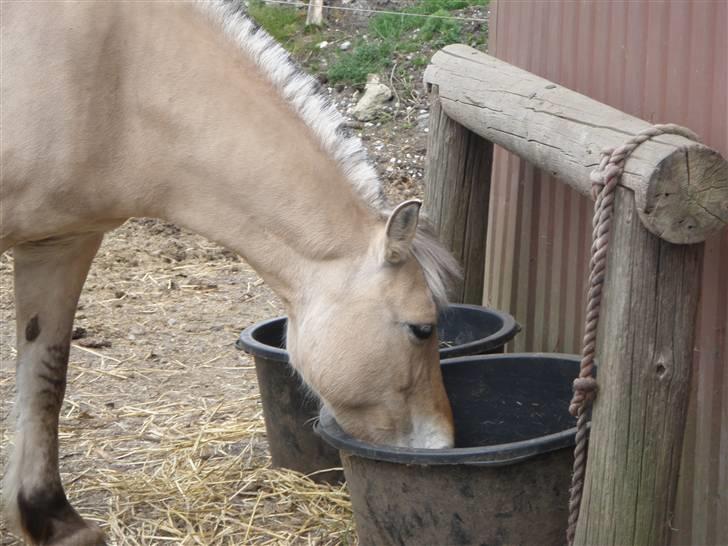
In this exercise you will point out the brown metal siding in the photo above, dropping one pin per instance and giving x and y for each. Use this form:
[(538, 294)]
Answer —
[(663, 62)]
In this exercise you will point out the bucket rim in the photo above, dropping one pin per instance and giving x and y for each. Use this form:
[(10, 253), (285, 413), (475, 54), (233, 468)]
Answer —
[(252, 346), (492, 455), (508, 330)]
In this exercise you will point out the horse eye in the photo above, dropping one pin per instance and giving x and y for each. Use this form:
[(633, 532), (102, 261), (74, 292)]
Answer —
[(421, 331)]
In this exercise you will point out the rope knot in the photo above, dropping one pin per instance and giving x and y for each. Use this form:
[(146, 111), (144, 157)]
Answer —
[(585, 390)]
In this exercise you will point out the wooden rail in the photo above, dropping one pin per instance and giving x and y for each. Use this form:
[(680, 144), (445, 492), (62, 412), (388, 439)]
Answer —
[(678, 188)]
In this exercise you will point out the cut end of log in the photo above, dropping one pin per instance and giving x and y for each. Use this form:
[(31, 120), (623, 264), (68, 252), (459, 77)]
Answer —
[(687, 199)]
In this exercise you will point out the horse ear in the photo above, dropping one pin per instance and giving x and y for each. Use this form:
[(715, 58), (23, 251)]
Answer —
[(400, 231)]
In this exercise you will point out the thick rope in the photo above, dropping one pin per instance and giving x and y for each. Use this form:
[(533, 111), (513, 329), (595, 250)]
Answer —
[(605, 179)]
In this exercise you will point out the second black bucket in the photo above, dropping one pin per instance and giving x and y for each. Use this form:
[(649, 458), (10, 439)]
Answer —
[(506, 481), (289, 409), (474, 330)]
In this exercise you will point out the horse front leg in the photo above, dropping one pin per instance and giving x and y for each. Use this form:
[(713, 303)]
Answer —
[(49, 276)]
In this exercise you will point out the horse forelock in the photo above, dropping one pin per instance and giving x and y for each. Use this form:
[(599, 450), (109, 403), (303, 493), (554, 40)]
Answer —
[(303, 93), (439, 266)]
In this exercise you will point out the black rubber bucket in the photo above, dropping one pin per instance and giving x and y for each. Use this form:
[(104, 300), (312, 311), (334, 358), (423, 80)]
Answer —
[(474, 330), (506, 481), (289, 409)]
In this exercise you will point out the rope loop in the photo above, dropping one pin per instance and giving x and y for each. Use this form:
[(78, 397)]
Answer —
[(612, 160), (604, 179)]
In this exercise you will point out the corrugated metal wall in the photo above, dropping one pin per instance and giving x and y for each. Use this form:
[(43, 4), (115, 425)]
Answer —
[(663, 62)]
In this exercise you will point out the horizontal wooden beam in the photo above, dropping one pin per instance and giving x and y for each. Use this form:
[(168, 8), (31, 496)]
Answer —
[(680, 186)]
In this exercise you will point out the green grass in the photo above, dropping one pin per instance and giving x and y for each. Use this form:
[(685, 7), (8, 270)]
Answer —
[(365, 58), (402, 34), (420, 61), (389, 27), (281, 22), (391, 37), (287, 25)]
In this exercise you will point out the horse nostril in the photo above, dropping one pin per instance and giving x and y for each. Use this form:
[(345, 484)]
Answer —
[(421, 331)]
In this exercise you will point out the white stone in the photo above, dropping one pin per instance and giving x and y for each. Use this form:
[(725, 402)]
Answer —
[(376, 94)]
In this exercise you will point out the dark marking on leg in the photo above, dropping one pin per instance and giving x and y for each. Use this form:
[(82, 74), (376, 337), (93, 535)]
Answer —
[(47, 515), (52, 367), (58, 383), (56, 397), (56, 366), (54, 375), (59, 353), (32, 329)]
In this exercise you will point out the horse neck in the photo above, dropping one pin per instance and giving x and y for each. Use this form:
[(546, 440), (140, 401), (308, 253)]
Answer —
[(242, 168)]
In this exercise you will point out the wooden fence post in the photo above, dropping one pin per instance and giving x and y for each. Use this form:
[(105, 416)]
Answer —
[(315, 15), (457, 193), (645, 354)]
